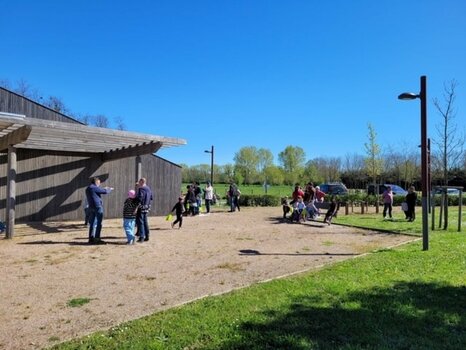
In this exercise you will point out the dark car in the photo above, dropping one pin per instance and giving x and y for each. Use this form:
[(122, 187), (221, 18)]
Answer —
[(397, 190), (334, 188)]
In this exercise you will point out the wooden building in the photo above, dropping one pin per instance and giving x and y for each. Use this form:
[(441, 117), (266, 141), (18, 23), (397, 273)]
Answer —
[(47, 160)]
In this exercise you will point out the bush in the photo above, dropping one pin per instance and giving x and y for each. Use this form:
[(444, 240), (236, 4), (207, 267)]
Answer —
[(251, 200)]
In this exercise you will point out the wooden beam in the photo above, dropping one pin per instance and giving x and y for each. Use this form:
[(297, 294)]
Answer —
[(17, 136), (137, 150), (11, 193)]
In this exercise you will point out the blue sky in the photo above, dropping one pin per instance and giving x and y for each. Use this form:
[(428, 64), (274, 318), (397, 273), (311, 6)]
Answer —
[(243, 73)]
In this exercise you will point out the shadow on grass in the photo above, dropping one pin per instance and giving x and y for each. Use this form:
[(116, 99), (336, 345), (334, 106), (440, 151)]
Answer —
[(406, 316)]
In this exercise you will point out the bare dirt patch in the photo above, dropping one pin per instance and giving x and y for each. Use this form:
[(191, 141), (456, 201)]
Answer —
[(50, 264)]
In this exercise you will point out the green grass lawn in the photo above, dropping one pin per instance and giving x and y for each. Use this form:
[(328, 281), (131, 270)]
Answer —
[(402, 298), (399, 224)]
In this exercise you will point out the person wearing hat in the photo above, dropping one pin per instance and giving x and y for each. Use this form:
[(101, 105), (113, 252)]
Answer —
[(178, 209), (130, 208)]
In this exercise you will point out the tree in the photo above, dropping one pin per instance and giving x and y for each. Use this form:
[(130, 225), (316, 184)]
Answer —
[(450, 141), (373, 161), (100, 121), (57, 104), (119, 122), (274, 175), (265, 160), (247, 163), (292, 159), (312, 173), (354, 171)]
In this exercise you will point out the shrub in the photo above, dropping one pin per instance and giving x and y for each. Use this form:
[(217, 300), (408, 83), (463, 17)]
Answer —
[(252, 200)]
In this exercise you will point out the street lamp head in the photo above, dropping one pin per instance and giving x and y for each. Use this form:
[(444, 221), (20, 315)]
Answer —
[(206, 151), (408, 96)]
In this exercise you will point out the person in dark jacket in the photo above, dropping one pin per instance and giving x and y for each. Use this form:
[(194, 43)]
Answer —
[(96, 209), (411, 198), (178, 209), (144, 196)]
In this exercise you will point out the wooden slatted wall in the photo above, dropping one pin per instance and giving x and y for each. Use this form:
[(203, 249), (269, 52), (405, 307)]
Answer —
[(11, 102), (51, 185)]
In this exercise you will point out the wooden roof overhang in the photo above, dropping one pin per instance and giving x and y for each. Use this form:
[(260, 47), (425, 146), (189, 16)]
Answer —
[(32, 133), (18, 131)]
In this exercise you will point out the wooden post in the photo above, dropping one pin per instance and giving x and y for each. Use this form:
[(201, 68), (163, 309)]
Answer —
[(362, 207), (346, 208), (460, 209), (432, 202), (440, 216), (11, 192), (445, 223)]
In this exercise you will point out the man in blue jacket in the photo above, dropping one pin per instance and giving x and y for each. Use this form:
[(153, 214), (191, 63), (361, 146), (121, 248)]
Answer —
[(96, 210), (144, 195)]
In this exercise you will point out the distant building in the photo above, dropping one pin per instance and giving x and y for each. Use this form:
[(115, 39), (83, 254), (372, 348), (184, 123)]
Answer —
[(47, 159)]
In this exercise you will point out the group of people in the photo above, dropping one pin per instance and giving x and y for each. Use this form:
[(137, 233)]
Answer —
[(408, 206), (303, 207), (135, 210), (194, 196), (191, 202)]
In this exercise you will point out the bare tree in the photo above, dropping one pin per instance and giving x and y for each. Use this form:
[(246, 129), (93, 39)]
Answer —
[(120, 125), (451, 140), (5, 83), (100, 121), (57, 104)]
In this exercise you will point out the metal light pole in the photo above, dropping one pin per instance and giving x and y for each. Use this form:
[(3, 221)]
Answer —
[(211, 164), (422, 96)]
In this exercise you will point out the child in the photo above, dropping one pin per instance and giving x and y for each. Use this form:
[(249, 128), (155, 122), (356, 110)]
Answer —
[(332, 211), (130, 208), (179, 213), (287, 208), (299, 210)]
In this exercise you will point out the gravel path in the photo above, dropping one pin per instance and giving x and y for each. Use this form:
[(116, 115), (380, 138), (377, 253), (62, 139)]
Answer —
[(49, 264)]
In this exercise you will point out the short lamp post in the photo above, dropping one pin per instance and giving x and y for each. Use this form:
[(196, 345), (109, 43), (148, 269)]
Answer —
[(422, 96), (211, 164)]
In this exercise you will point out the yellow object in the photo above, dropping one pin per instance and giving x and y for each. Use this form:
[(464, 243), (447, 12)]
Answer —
[(168, 217)]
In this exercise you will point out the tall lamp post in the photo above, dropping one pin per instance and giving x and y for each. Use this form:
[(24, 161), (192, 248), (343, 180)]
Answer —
[(422, 96), (211, 164)]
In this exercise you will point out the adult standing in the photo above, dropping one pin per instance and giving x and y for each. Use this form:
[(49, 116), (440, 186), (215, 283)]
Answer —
[(387, 197), (411, 198), (208, 196), (96, 209), (233, 195), (144, 196)]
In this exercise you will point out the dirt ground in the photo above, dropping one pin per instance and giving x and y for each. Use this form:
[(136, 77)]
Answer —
[(48, 264)]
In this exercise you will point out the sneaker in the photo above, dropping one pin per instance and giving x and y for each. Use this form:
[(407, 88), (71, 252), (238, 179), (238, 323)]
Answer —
[(141, 240), (146, 239), (99, 241), (173, 224)]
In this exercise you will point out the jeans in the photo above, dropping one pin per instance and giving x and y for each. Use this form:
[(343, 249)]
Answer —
[(143, 226), (128, 226), (96, 215)]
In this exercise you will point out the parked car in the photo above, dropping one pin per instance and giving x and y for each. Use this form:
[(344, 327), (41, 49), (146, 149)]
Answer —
[(397, 190), (334, 188), (450, 191)]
